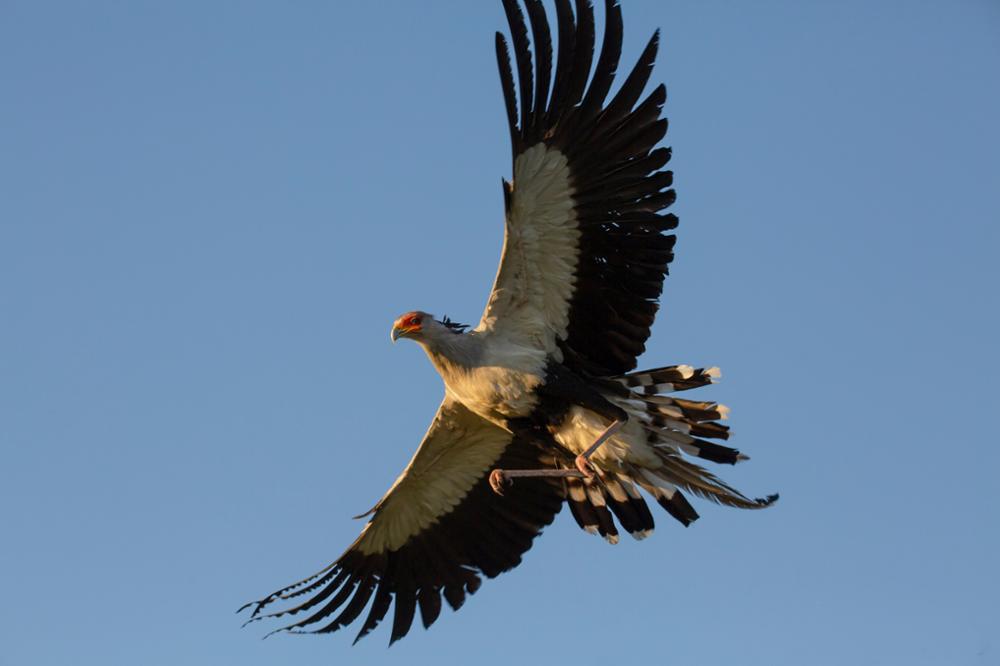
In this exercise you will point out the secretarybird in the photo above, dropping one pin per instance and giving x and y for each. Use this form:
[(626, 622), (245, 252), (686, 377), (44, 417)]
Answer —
[(541, 403)]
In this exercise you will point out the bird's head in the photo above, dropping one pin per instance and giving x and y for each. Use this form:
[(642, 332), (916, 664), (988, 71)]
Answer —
[(411, 325), (423, 327)]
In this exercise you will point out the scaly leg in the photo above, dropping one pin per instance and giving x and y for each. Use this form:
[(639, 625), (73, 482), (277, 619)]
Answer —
[(505, 477), (583, 460), (501, 477)]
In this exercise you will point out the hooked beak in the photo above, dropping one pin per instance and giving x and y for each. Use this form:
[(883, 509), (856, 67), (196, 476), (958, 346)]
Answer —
[(400, 332)]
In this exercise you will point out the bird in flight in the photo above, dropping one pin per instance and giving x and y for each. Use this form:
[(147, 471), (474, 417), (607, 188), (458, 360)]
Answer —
[(542, 404)]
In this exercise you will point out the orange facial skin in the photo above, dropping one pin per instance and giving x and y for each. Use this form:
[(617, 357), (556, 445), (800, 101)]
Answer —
[(408, 324)]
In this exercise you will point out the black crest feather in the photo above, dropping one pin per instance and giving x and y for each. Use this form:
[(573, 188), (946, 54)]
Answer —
[(453, 326)]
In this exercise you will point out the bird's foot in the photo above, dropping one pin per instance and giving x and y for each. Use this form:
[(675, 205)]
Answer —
[(498, 480), (584, 466)]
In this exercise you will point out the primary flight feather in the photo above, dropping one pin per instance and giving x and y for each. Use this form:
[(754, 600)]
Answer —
[(541, 405)]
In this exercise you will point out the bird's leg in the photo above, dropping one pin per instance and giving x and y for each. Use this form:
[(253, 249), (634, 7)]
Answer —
[(504, 477), (583, 460)]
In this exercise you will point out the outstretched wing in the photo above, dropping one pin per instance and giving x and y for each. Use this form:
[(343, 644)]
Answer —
[(584, 251), (437, 529)]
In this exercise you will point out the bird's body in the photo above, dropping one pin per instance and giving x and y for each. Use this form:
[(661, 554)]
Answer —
[(526, 392), (491, 376), (544, 390), (505, 383)]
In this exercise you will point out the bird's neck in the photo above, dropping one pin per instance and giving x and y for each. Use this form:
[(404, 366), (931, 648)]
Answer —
[(453, 355)]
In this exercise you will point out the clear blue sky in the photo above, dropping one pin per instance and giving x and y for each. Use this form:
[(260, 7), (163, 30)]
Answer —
[(210, 213)]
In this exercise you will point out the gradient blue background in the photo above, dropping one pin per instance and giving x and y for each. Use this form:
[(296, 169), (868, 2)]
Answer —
[(210, 213)]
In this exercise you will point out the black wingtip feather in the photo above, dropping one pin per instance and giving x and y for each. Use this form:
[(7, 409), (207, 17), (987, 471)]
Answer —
[(522, 56), (507, 86), (607, 63), (430, 605), (380, 606), (542, 37), (627, 96)]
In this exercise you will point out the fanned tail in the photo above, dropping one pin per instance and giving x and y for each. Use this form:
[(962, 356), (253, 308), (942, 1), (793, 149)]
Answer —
[(675, 423), (673, 429), (675, 426)]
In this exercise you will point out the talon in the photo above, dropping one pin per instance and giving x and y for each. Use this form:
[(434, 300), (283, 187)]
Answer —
[(584, 466), (498, 481)]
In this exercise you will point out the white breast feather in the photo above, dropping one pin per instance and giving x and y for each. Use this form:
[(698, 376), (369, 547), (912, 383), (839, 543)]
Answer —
[(503, 385)]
